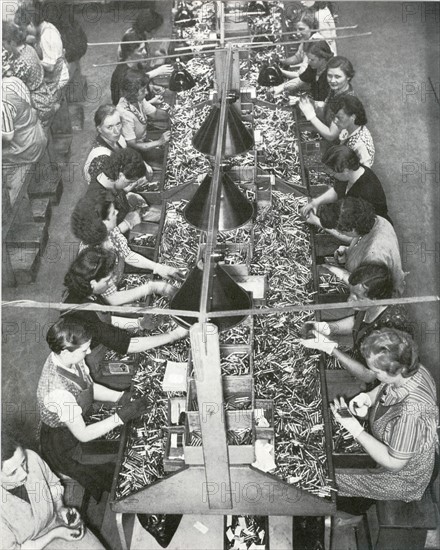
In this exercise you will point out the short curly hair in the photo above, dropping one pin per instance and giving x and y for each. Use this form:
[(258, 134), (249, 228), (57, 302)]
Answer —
[(126, 161), (376, 277), (340, 62), (352, 105), (132, 82), (66, 334), (391, 350), (87, 220), (11, 32), (329, 215), (321, 49), (356, 214), (341, 157), (92, 264)]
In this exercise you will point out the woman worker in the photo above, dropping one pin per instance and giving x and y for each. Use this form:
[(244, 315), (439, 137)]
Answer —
[(352, 180), (403, 419), (314, 78), (88, 277), (65, 394), (33, 515), (322, 114), (373, 239), (135, 112), (371, 281), (94, 221)]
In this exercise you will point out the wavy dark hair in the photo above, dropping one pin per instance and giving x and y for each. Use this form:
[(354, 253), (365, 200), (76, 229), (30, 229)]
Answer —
[(321, 49), (341, 157), (329, 215), (376, 278), (391, 350), (147, 21), (356, 214), (10, 443), (13, 32), (352, 105), (87, 220), (132, 82), (92, 264), (340, 62), (66, 334), (128, 161)]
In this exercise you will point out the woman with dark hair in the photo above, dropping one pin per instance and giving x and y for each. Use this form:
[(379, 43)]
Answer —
[(403, 419), (351, 120), (65, 396), (33, 515), (314, 78), (352, 180), (135, 111), (372, 281), (94, 221), (373, 240), (26, 65), (131, 54), (88, 277), (321, 114)]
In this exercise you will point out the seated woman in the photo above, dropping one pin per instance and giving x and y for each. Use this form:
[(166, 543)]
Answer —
[(351, 119), (89, 276), (65, 395), (114, 176), (322, 114), (131, 54), (352, 180), (403, 419), (135, 112), (314, 78), (26, 65), (372, 281), (94, 222), (373, 239), (325, 21), (29, 521)]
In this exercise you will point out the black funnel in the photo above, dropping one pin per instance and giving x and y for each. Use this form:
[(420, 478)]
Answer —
[(238, 138), (181, 80), (235, 209), (226, 295), (270, 75)]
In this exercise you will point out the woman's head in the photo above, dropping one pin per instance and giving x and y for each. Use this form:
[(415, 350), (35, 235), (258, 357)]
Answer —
[(12, 35), (356, 215), (93, 217), (132, 51), (305, 24), (318, 54), (329, 215), (69, 340), (349, 110), (14, 461), (91, 272), (108, 122), (134, 85), (29, 17), (390, 352), (339, 73), (341, 160), (147, 21), (373, 281), (124, 167)]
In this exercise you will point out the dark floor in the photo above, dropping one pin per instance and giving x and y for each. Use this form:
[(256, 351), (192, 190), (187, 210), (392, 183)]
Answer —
[(394, 68)]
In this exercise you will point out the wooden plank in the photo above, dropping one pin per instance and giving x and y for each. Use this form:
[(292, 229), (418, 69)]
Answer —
[(205, 349)]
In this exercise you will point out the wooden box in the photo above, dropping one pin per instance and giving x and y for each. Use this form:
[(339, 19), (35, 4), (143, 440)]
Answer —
[(266, 432), (234, 387), (149, 231), (173, 455)]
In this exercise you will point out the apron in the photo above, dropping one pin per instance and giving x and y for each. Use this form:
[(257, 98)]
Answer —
[(61, 450)]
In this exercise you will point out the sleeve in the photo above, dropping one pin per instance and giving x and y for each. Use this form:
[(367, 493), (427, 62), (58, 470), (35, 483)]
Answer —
[(148, 109), (63, 404), (339, 187), (128, 128), (110, 290), (95, 167), (308, 75), (53, 481), (362, 152), (8, 114), (406, 437), (51, 46), (111, 337), (120, 242), (9, 541)]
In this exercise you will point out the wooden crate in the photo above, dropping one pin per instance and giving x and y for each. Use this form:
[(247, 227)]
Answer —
[(173, 459), (233, 387), (144, 229)]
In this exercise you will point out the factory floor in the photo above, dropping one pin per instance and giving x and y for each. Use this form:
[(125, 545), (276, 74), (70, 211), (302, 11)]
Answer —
[(394, 69)]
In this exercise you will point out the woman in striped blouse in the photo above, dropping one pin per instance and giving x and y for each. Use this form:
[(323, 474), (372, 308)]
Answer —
[(403, 418)]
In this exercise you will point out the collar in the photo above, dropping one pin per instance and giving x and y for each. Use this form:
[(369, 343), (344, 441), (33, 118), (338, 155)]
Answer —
[(58, 363), (106, 182), (355, 131), (392, 395)]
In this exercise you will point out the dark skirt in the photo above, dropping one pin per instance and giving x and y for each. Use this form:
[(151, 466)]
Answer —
[(59, 447)]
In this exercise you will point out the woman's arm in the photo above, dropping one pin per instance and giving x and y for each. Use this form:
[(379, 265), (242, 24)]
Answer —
[(379, 452), (330, 133), (354, 367), (88, 433), (101, 393), (342, 327), (144, 343), (137, 260), (127, 296), (145, 145)]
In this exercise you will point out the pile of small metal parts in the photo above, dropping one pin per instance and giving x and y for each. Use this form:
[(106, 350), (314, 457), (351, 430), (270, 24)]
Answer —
[(101, 413), (246, 532), (235, 364)]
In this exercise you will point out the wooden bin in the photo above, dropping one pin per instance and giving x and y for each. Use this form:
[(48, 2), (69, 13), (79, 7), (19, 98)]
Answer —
[(145, 229), (173, 458), (233, 386), (266, 432), (230, 249)]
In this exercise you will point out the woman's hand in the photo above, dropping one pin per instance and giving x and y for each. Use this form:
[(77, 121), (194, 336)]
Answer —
[(278, 90), (319, 326), (348, 422), (133, 218), (168, 272), (319, 342), (312, 219), (179, 333), (310, 207), (360, 404), (162, 70), (339, 272), (164, 138), (69, 516), (163, 289), (69, 534), (340, 255), (307, 108)]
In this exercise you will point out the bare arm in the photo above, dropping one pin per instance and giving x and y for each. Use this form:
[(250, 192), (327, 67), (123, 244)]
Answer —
[(379, 452), (101, 393), (342, 327), (88, 433), (127, 296), (148, 342), (354, 367)]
